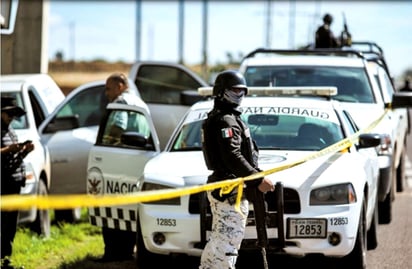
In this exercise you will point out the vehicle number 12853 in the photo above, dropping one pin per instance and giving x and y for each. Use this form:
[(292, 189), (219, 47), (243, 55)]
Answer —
[(306, 228), (166, 222)]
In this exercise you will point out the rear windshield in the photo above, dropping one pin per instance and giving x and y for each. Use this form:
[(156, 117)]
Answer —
[(352, 83)]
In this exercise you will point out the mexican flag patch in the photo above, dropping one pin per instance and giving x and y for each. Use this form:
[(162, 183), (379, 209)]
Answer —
[(227, 132)]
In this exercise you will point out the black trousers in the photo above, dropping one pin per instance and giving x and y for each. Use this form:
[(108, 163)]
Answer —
[(8, 221)]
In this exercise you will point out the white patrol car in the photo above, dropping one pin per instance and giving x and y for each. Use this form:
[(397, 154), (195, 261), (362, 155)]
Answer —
[(330, 202), (365, 89)]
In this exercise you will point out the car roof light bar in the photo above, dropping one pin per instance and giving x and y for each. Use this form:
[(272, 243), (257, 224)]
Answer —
[(277, 91)]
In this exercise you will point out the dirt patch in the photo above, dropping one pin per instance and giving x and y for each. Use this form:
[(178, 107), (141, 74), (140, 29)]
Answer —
[(69, 75), (68, 81)]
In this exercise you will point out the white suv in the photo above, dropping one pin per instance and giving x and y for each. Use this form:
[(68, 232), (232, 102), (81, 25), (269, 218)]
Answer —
[(364, 87), (39, 95), (286, 128)]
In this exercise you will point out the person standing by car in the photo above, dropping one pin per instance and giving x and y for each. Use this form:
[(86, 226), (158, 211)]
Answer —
[(119, 245), (324, 37), (12, 173), (229, 152), (117, 92)]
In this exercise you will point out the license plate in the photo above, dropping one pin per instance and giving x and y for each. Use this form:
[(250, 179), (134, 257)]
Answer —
[(306, 228)]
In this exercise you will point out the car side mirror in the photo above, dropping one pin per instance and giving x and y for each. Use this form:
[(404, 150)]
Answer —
[(135, 139), (369, 140)]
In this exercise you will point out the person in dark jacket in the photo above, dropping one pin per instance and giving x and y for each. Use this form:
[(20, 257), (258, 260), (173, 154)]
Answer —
[(324, 37), (229, 152), (12, 174)]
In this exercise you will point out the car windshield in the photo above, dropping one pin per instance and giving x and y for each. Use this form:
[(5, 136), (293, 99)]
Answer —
[(352, 83), (283, 132)]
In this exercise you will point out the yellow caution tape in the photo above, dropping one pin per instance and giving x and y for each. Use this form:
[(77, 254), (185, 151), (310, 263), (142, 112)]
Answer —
[(22, 202)]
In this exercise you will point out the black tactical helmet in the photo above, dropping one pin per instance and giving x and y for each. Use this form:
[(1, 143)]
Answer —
[(327, 18), (228, 79)]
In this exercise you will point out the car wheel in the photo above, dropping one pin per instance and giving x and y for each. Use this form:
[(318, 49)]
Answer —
[(41, 224), (146, 259), (356, 259), (118, 244), (385, 209), (372, 235), (67, 215), (400, 172)]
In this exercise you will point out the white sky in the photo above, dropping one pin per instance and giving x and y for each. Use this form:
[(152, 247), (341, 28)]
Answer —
[(88, 30)]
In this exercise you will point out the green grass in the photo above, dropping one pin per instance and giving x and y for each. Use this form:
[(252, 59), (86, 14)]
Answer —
[(70, 246)]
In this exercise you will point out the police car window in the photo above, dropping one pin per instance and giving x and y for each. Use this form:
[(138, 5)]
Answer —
[(88, 105), (387, 88), (352, 83), (38, 112), (163, 84), (123, 121), (285, 132), (21, 122), (352, 127), (189, 137), (293, 132)]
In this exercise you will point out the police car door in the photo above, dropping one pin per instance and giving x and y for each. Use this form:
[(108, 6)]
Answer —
[(116, 164)]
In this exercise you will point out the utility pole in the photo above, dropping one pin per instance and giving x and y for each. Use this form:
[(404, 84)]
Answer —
[(24, 41), (181, 30), (268, 23), (138, 28), (204, 44), (72, 29), (292, 18)]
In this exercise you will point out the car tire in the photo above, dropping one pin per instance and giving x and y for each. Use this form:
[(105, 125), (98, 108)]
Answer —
[(67, 215), (41, 224), (146, 259), (372, 235), (385, 209), (118, 244), (356, 259), (400, 172)]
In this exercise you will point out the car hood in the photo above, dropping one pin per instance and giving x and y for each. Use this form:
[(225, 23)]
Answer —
[(183, 169)]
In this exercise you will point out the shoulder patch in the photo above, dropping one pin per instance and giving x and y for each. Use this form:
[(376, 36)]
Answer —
[(227, 132)]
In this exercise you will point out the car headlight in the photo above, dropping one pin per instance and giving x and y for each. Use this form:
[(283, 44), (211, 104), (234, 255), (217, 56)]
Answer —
[(29, 173), (333, 195), (152, 187)]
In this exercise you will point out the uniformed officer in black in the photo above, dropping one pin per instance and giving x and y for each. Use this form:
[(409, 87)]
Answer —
[(324, 37), (229, 152)]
